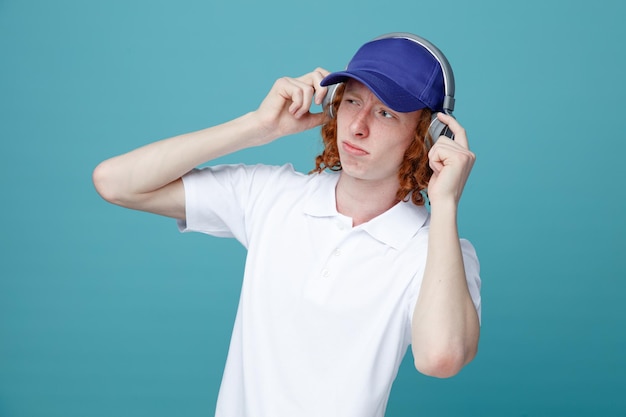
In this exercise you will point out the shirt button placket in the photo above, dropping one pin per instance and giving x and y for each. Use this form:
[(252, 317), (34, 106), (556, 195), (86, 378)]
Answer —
[(340, 225), (344, 230)]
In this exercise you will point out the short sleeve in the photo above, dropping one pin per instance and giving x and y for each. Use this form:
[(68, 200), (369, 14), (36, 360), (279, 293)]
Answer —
[(218, 198), (472, 273)]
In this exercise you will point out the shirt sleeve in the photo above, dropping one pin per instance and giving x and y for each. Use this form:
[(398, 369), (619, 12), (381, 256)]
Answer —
[(472, 274), (217, 199)]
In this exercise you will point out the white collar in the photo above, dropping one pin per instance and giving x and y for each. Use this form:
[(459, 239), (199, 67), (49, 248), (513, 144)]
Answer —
[(395, 227)]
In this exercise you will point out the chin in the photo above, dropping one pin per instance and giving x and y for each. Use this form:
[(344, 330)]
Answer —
[(351, 167)]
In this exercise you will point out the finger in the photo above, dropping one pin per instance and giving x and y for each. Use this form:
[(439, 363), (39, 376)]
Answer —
[(314, 120), (294, 94), (320, 91), (297, 93), (304, 93), (435, 159), (447, 150), (460, 136), (435, 166), (314, 79), (441, 148)]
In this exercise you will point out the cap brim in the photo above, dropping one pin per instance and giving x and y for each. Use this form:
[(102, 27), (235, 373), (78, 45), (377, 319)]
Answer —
[(387, 91)]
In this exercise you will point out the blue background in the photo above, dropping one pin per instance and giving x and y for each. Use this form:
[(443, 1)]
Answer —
[(110, 312)]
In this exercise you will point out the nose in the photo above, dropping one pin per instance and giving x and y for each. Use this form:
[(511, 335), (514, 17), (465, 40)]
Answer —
[(359, 127)]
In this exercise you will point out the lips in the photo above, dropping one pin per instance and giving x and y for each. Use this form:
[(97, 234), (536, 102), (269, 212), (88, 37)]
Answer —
[(353, 149)]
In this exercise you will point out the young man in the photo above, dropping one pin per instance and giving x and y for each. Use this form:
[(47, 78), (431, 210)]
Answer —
[(345, 268)]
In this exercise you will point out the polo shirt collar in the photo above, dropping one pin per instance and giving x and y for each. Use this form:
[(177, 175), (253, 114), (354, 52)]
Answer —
[(321, 201), (395, 227)]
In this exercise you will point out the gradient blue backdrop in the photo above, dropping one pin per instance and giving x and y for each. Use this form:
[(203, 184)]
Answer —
[(108, 312)]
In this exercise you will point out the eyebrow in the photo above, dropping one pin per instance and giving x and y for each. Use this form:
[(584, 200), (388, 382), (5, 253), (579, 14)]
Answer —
[(353, 91)]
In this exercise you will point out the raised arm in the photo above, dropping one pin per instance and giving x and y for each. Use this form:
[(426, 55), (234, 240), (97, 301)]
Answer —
[(149, 178), (445, 322)]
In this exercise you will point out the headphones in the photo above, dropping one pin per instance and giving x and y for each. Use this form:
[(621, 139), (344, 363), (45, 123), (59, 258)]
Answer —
[(436, 128)]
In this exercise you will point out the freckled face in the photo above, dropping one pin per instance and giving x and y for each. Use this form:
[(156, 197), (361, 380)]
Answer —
[(371, 137)]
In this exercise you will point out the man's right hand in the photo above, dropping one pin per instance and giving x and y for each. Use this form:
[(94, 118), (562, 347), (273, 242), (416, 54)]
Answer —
[(286, 108)]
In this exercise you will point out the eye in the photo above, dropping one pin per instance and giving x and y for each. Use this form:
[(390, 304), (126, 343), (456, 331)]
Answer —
[(386, 114)]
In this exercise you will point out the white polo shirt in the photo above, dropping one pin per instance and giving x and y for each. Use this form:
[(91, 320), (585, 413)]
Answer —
[(324, 317)]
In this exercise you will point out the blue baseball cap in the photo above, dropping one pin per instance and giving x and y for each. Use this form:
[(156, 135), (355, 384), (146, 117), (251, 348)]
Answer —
[(403, 74)]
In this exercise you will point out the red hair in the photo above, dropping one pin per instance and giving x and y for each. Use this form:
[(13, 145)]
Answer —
[(414, 173)]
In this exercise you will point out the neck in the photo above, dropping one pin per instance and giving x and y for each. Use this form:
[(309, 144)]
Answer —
[(363, 200)]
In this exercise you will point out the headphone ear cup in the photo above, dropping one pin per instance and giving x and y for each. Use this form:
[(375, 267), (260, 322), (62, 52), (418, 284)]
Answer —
[(327, 102), (438, 128)]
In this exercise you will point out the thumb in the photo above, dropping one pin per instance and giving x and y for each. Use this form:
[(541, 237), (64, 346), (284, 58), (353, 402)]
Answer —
[(314, 119)]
